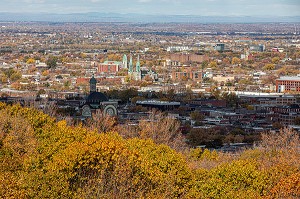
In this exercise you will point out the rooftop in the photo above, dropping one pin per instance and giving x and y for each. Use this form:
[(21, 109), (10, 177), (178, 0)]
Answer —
[(153, 102), (290, 78)]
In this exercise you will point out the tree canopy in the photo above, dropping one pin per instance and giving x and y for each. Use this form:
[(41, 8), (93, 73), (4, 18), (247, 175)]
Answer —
[(43, 158)]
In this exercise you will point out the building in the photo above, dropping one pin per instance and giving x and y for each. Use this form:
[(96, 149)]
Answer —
[(137, 74), (177, 48), (220, 47), (160, 105), (124, 62), (97, 101), (178, 58), (257, 48), (110, 67), (207, 102), (130, 69), (288, 83), (184, 74)]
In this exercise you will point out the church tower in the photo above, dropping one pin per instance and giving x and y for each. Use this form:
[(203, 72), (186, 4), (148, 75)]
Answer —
[(93, 83), (138, 73), (130, 70), (125, 61), (138, 66)]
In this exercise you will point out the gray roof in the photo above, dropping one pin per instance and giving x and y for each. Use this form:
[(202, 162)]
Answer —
[(290, 78)]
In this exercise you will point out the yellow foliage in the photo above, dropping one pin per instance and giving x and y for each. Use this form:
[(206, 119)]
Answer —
[(41, 158), (30, 61)]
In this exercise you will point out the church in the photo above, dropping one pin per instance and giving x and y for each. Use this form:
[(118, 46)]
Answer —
[(97, 101), (135, 74)]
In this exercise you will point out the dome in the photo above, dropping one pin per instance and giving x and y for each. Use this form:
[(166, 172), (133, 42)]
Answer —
[(96, 97)]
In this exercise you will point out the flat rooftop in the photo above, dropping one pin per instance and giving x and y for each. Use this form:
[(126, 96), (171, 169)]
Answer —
[(289, 78), (159, 103)]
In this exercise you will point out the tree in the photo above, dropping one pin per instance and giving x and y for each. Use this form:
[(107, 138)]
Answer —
[(213, 64), (196, 116), (30, 61), (15, 76), (41, 92), (52, 62), (204, 64), (67, 84), (188, 95), (127, 94), (210, 137), (269, 67), (275, 60), (231, 99), (297, 121), (45, 73), (170, 95), (235, 61), (215, 92)]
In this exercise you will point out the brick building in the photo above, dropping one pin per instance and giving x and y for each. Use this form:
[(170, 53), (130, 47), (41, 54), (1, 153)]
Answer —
[(110, 67), (191, 73), (288, 83), (187, 58)]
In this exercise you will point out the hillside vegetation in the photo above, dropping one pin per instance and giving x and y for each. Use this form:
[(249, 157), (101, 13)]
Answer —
[(43, 158)]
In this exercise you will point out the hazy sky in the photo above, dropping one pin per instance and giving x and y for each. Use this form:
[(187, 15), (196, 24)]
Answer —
[(180, 7)]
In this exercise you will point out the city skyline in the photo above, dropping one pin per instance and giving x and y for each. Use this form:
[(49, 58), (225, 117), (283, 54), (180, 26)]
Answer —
[(158, 7)]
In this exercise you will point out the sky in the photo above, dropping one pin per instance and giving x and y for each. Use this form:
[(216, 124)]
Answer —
[(155, 7)]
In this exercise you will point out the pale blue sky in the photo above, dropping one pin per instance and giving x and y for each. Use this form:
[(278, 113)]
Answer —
[(180, 7)]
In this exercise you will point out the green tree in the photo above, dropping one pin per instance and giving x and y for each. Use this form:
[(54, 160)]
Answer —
[(52, 62)]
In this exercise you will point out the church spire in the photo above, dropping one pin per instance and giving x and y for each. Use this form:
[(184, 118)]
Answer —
[(125, 61), (130, 70), (138, 66)]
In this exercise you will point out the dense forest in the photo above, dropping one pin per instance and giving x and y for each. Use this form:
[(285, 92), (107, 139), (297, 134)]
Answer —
[(41, 157)]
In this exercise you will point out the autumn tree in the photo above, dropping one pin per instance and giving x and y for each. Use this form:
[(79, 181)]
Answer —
[(30, 61), (213, 64), (235, 61), (269, 67), (197, 116), (230, 98), (275, 60)]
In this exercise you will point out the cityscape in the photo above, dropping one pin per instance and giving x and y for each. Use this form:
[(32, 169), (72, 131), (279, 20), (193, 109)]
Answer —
[(149, 105)]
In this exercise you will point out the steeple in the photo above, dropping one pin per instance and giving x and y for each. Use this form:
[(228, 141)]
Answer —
[(130, 70), (93, 83), (138, 66), (124, 61)]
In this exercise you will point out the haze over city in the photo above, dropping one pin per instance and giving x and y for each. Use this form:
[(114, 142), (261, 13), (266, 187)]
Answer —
[(161, 7)]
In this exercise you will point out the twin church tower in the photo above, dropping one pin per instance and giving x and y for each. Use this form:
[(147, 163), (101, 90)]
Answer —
[(137, 75)]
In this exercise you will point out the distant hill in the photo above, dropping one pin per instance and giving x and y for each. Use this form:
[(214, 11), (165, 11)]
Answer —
[(115, 17)]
